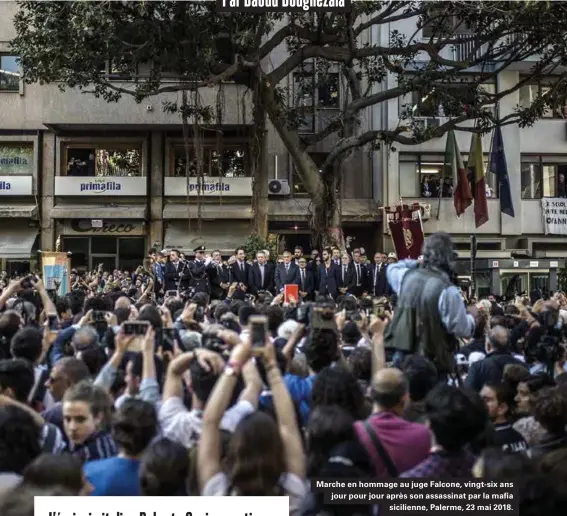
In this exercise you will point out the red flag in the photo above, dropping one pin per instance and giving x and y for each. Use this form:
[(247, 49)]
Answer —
[(475, 164), (406, 230)]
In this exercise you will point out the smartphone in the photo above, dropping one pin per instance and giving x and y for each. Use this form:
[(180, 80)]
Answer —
[(258, 330), (378, 309), (171, 293), (99, 316), (137, 328), (52, 322)]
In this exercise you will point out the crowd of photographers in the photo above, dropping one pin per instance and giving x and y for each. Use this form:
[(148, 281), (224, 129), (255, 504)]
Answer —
[(203, 377)]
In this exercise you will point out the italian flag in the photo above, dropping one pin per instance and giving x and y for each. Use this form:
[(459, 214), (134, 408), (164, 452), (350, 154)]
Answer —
[(475, 166), (454, 165)]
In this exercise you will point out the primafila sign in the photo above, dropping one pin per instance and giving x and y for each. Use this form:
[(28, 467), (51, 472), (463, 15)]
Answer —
[(100, 186), (15, 185)]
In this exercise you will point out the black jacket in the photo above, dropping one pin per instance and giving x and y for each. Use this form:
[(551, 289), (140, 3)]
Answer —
[(490, 369), (255, 278)]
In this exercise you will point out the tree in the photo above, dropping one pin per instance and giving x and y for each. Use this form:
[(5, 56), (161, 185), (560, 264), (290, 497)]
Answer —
[(468, 44)]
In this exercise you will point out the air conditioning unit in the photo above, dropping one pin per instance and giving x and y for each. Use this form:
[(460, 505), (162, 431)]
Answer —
[(279, 187)]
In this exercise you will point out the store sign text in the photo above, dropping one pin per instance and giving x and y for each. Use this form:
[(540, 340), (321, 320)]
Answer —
[(209, 187), (111, 186), (16, 159), (84, 227), (15, 185)]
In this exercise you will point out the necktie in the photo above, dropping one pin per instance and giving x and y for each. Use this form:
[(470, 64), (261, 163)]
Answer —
[(287, 268), (302, 280), (344, 274), (376, 275), (357, 275), (262, 275), (242, 266)]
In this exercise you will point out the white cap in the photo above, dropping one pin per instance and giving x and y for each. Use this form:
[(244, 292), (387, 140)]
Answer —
[(393, 255)]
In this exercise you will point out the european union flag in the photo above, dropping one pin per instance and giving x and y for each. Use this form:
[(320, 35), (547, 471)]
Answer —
[(498, 166)]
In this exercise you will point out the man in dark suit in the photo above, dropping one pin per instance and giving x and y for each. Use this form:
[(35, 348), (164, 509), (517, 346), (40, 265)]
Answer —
[(345, 276), (297, 254), (377, 280), (261, 275), (287, 273), (172, 271), (328, 276), (360, 275), (240, 269), (196, 271), (306, 281), (218, 276)]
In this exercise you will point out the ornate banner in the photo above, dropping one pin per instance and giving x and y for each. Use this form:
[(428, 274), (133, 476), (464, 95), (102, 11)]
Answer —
[(406, 229)]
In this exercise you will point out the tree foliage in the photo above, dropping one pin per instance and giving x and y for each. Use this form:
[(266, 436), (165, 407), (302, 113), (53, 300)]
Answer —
[(159, 47)]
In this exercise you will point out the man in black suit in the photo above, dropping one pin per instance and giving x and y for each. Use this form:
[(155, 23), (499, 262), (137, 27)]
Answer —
[(378, 282), (297, 254), (261, 275), (345, 276), (306, 282), (360, 275), (287, 273), (196, 271), (173, 271), (327, 285), (218, 276), (240, 269)]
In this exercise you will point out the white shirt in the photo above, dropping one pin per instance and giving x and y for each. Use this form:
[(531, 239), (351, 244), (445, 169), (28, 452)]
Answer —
[(184, 426)]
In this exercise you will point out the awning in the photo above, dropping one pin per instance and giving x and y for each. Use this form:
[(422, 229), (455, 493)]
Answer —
[(16, 241), (18, 210), (208, 211), (224, 236), (352, 210), (99, 211)]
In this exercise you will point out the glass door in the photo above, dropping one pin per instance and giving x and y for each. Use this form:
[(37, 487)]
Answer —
[(109, 261), (514, 283), (539, 281)]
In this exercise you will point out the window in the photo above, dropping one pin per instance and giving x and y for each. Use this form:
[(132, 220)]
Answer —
[(534, 90), (16, 159), (232, 161), (314, 93), (101, 161), (9, 73), (429, 106), (420, 177), (543, 176), (297, 184)]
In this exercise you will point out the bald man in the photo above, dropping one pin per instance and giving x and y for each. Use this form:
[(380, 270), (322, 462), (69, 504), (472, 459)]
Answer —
[(385, 434), (123, 302), (498, 356)]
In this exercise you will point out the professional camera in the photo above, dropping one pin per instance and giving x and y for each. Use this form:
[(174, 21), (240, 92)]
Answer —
[(211, 340), (323, 317), (304, 313)]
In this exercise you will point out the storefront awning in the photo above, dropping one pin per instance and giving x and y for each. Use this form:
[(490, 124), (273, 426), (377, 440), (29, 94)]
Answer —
[(99, 211), (18, 210), (16, 241), (224, 236), (208, 211)]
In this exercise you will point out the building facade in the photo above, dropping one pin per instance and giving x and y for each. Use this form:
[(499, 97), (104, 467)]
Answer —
[(107, 181), (510, 249)]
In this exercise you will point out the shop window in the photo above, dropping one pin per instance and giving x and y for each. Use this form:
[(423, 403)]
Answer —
[(16, 159), (103, 245), (103, 161), (129, 252), (543, 176), (231, 161), (9, 73), (79, 249), (422, 176)]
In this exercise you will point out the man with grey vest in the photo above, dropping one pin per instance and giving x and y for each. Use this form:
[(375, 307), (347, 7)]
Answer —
[(430, 313)]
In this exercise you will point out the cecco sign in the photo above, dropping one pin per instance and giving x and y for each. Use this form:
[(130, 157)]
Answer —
[(116, 228), (15, 185), (100, 186), (211, 187)]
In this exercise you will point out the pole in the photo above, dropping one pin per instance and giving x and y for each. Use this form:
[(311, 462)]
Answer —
[(473, 261)]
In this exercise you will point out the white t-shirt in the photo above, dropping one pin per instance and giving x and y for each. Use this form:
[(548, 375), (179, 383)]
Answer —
[(291, 484), (184, 426)]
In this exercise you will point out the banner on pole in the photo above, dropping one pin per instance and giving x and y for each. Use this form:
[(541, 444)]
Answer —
[(406, 229), (56, 269)]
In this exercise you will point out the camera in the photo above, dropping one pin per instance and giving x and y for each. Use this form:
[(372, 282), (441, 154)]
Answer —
[(26, 283), (323, 317)]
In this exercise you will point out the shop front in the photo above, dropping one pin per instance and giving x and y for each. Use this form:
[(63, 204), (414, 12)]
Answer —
[(19, 227), (116, 243), (509, 277)]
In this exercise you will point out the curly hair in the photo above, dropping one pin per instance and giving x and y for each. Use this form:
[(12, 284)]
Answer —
[(338, 386), (549, 408), (134, 426), (19, 439)]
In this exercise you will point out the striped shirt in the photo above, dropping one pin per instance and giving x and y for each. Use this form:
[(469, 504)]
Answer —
[(98, 446)]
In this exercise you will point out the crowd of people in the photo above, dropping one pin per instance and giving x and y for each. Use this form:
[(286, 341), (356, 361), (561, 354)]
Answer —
[(202, 377)]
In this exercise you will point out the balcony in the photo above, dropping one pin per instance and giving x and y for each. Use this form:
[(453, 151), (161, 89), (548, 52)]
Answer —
[(107, 186)]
